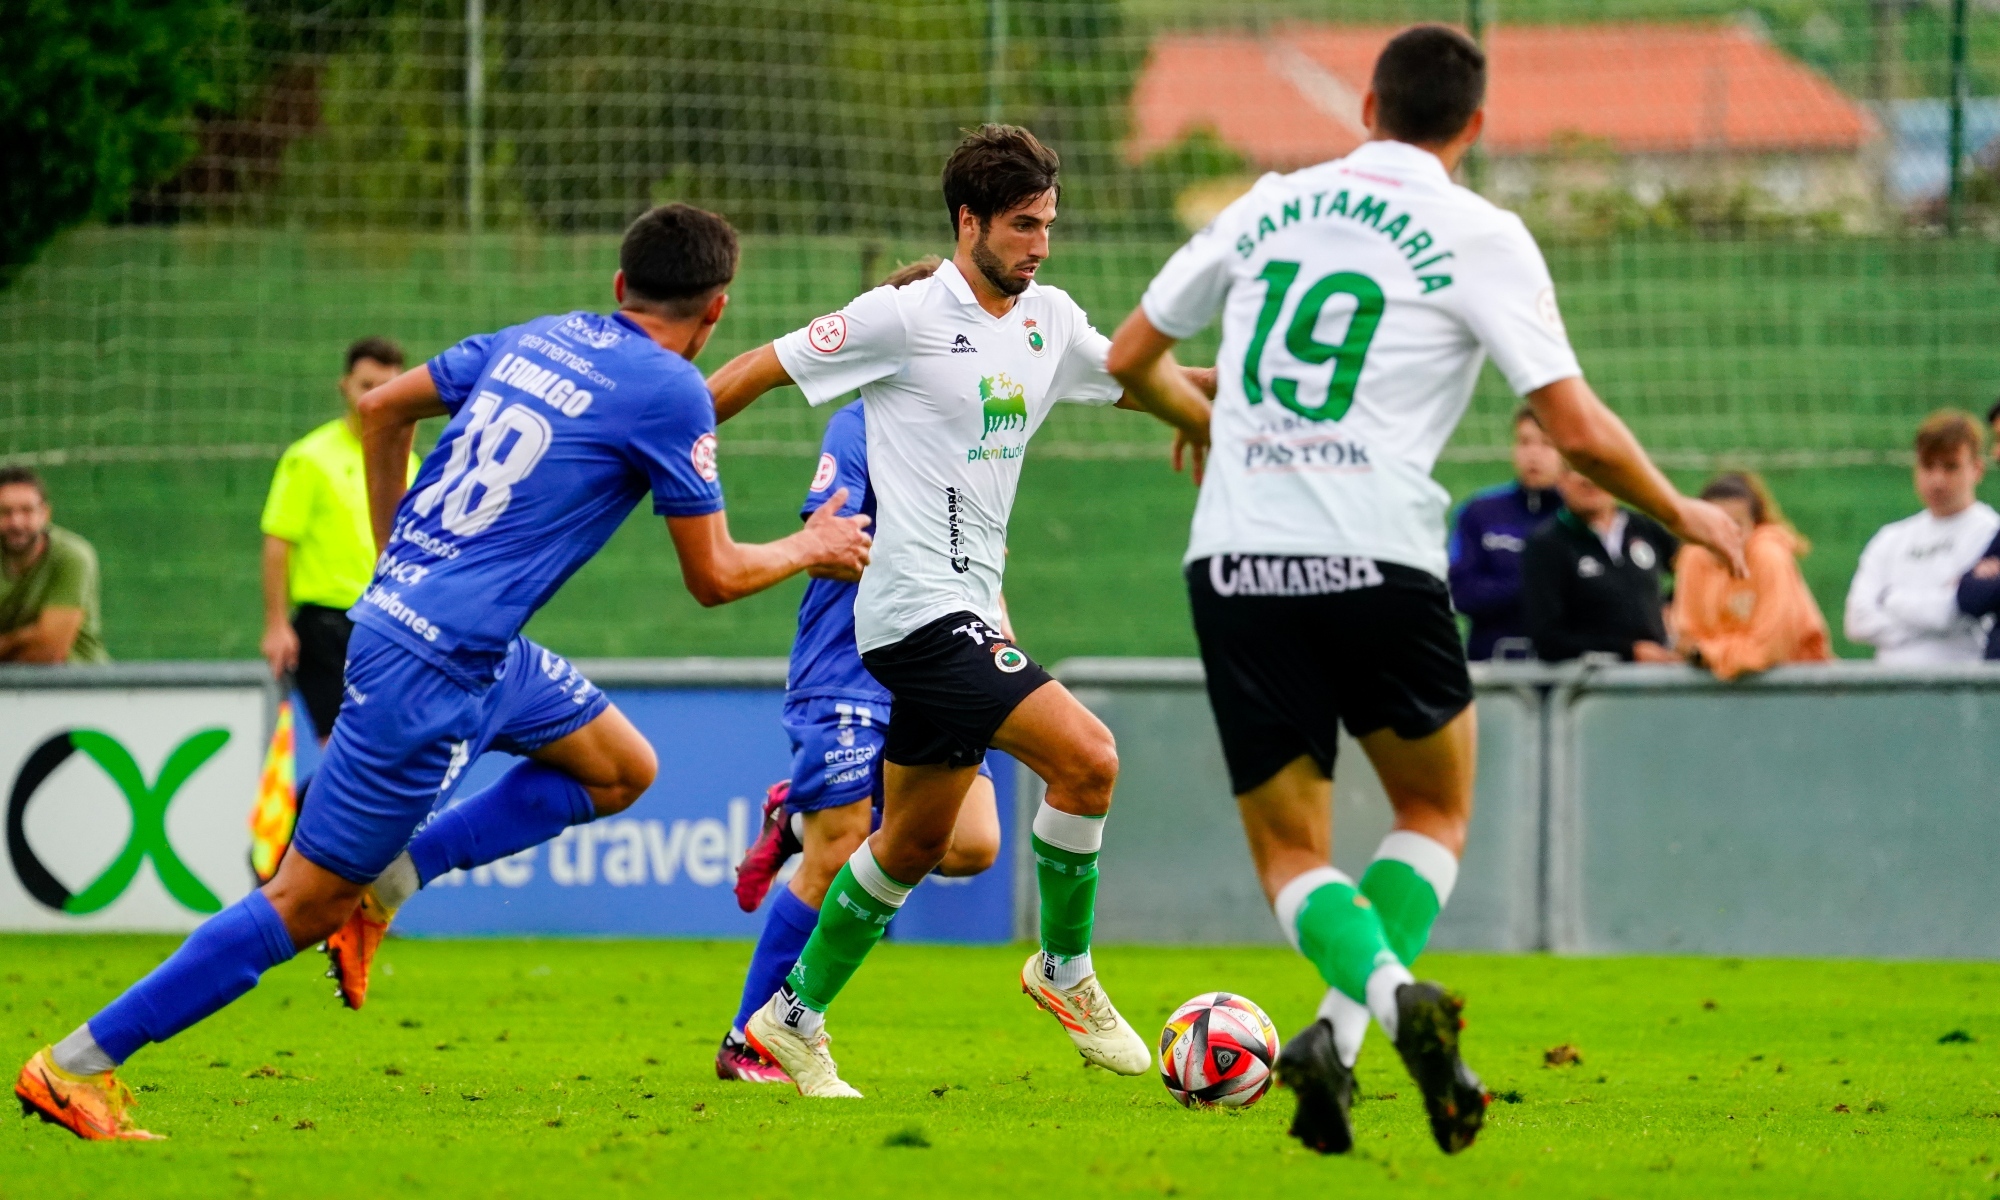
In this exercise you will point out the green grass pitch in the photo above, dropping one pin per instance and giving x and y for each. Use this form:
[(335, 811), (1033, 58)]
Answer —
[(536, 1069)]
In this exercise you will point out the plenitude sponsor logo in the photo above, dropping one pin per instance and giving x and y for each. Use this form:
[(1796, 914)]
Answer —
[(147, 839)]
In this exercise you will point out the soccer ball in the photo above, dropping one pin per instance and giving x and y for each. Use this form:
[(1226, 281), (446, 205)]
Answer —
[(1218, 1049)]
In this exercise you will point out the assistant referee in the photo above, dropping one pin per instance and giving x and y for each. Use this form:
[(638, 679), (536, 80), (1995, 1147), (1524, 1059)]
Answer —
[(319, 549)]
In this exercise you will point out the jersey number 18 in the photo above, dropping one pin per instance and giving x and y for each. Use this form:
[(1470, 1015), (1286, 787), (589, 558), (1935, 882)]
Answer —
[(1302, 341), (494, 453)]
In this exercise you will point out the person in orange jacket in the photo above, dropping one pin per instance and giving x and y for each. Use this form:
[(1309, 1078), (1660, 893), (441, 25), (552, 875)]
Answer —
[(1738, 626)]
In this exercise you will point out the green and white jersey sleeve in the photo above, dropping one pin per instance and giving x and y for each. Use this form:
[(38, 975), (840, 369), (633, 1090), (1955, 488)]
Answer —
[(953, 394), (1358, 300)]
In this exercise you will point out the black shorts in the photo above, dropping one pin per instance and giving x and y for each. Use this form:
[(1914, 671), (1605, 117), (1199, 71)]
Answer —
[(1294, 647), (954, 681), (323, 636)]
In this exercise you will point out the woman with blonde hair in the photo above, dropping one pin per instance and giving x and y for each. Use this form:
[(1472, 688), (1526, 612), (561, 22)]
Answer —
[(1737, 626)]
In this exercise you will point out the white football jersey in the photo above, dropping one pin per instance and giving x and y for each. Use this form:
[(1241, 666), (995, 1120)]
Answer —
[(953, 395), (1904, 597), (1358, 299)]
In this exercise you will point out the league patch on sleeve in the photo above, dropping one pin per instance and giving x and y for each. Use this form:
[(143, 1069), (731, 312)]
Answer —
[(823, 478), (1545, 308), (828, 334), (702, 455)]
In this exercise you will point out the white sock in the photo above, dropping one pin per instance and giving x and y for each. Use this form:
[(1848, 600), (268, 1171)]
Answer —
[(79, 1054), (1066, 973), (1350, 1024), (397, 882), (796, 1016), (1426, 856), (1382, 987)]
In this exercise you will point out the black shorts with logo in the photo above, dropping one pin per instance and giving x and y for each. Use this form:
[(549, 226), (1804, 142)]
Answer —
[(954, 682), (323, 636), (1294, 647)]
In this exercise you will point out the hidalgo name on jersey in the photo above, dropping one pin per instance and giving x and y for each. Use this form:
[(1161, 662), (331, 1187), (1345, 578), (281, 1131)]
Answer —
[(1358, 300), (558, 427), (953, 394)]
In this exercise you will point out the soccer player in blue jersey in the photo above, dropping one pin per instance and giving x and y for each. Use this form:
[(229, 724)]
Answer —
[(557, 428), (837, 717)]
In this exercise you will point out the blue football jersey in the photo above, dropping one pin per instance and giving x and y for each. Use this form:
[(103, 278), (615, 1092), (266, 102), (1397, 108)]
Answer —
[(825, 660), (558, 427)]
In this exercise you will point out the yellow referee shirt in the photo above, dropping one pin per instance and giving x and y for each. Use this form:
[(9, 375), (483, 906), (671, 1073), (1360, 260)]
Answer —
[(319, 503)]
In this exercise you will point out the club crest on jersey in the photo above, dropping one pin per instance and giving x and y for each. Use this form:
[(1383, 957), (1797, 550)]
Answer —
[(702, 455), (828, 334), (1008, 659), (823, 478), (1036, 342)]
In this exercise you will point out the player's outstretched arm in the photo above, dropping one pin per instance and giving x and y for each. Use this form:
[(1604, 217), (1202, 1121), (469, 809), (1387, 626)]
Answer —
[(389, 416), (1597, 443), (719, 568), (1142, 358), (744, 378)]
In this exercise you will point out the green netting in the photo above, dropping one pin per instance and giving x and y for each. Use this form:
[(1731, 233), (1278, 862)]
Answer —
[(429, 169)]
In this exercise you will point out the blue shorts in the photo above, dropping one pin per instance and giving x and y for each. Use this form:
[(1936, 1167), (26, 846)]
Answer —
[(836, 751), (407, 732)]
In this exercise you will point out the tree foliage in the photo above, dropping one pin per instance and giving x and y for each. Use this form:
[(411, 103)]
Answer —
[(97, 98)]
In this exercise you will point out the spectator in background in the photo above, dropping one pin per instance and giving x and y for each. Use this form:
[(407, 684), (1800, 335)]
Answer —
[(1979, 588), (1904, 598), (1590, 578), (319, 548), (1487, 542), (1736, 626), (48, 580)]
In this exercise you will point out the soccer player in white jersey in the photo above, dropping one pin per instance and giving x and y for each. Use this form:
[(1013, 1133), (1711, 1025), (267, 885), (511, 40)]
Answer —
[(1358, 299), (957, 372)]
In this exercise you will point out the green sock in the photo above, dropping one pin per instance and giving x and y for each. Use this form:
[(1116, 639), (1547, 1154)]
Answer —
[(1408, 883), (1066, 846), (851, 920), (1068, 884), (1338, 930)]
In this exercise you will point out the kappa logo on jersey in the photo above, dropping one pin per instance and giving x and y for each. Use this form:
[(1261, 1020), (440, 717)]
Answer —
[(827, 334), (829, 466), (601, 337), (702, 455), (1036, 342), (963, 345)]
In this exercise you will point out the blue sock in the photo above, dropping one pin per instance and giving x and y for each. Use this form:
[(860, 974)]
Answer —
[(786, 929), (219, 962), (525, 807)]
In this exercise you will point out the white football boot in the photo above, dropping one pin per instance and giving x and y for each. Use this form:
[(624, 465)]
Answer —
[(806, 1060), (1090, 1019)]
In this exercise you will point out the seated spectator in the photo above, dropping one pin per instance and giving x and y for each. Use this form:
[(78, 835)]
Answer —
[(48, 580), (1904, 598), (1979, 588), (1736, 626), (1590, 578), (1486, 544)]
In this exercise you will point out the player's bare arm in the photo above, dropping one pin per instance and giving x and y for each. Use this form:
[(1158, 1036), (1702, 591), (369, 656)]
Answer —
[(744, 378), (719, 569), (1600, 445), (389, 416)]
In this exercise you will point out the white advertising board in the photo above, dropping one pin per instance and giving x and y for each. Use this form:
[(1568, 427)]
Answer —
[(127, 808)]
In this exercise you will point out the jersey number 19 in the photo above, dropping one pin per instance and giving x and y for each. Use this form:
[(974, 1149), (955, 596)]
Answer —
[(493, 454), (1302, 341)]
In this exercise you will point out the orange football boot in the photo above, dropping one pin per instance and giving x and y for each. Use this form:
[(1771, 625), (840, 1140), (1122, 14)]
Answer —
[(350, 952), (96, 1108)]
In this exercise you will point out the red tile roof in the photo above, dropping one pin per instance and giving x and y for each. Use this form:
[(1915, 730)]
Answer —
[(1293, 97)]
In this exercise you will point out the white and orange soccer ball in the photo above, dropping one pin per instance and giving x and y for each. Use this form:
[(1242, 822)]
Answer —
[(1218, 1049)]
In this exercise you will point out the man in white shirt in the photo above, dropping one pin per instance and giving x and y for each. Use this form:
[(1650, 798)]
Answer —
[(1904, 598), (957, 372), (1358, 300)]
